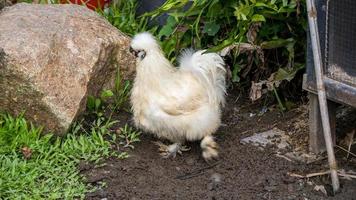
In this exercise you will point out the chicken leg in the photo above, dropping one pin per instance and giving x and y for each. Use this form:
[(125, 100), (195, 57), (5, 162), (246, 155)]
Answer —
[(210, 148), (171, 150)]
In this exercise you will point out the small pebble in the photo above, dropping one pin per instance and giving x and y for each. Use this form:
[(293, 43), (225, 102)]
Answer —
[(190, 161), (216, 178), (270, 188)]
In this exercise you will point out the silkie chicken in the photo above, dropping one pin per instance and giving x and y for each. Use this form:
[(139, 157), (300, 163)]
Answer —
[(179, 104)]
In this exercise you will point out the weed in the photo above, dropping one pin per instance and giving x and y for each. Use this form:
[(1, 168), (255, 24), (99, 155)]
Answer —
[(122, 15), (36, 166), (112, 100), (128, 136), (121, 91), (123, 155), (95, 105)]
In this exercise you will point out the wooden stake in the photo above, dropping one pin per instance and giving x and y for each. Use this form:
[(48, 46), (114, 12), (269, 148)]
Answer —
[(313, 26)]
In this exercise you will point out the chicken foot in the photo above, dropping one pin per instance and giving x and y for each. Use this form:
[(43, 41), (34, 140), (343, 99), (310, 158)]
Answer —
[(210, 148), (167, 151)]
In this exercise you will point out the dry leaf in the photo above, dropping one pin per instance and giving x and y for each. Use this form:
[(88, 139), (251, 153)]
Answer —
[(252, 32), (350, 137), (27, 152), (348, 141), (241, 47), (321, 188), (256, 90)]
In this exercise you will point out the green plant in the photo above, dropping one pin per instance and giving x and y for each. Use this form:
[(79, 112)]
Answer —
[(128, 136), (36, 166), (123, 155), (121, 91), (218, 24), (112, 100), (96, 105), (122, 15), (258, 37)]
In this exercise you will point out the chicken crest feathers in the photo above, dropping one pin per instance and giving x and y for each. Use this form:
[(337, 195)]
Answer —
[(144, 41)]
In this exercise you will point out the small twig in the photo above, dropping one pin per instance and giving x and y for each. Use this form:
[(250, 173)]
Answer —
[(317, 174), (196, 172), (188, 176), (268, 156), (346, 175), (351, 139), (349, 152), (244, 132), (308, 175), (295, 175), (339, 172), (316, 160), (285, 157), (351, 172)]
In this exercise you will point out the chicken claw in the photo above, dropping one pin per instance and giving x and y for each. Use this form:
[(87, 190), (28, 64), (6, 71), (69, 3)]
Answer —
[(210, 148), (167, 151)]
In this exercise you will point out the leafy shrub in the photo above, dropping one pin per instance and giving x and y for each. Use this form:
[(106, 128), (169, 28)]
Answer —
[(263, 40)]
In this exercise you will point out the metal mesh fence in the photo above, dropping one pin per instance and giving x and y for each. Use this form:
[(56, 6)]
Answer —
[(341, 41)]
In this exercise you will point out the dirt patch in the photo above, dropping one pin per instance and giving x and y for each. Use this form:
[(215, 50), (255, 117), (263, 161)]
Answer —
[(242, 172)]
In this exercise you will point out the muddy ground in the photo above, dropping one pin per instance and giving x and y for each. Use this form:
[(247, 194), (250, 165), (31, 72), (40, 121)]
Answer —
[(242, 172)]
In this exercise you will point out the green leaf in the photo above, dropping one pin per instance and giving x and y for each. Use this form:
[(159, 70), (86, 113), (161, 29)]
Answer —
[(106, 93), (270, 6), (91, 102), (214, 9), (211, 28), (258, 18), (97, 103), (287, 74), (171, 21), (285, 3), (260, 4), (276, 43), (235, 76), (292, 4), (242, 12), (165, 31)]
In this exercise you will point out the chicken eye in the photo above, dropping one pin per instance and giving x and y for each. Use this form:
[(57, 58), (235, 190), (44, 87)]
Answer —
[(141, 54)]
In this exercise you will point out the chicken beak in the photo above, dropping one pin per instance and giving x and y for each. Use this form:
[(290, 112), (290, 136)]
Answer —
[(132, 51), (135, 53), (140, 54)]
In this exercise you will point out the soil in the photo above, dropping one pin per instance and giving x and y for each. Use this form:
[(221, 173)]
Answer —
[(241, 172)]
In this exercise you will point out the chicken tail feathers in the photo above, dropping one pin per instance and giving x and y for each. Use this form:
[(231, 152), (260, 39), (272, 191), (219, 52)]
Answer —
[(210, 69)]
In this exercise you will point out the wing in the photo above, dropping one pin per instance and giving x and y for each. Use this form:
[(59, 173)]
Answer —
[(184, 95)]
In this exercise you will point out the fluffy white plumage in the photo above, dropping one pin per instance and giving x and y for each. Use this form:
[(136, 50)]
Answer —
[(178, 104)]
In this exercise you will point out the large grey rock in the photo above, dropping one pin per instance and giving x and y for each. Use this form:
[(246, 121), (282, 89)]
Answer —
[(52, 57), (4, 3)]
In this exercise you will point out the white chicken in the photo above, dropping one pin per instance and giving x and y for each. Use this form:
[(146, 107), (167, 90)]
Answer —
[(178, 104)]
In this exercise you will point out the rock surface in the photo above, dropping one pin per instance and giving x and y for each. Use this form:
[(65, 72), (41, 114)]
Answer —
[(4, 3), (52, 57)]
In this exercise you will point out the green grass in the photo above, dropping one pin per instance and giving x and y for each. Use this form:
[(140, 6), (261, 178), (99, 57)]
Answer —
[(36, 166), (128, 136)]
